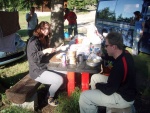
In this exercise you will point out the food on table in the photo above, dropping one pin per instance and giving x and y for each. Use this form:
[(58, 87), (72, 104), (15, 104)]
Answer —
[(59, 56)]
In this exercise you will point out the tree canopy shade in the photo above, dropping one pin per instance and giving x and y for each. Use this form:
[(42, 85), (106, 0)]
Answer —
[(13, 5)]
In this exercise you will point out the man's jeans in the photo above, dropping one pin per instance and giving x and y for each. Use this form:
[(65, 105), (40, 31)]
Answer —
[(71, 28), (91, 99)]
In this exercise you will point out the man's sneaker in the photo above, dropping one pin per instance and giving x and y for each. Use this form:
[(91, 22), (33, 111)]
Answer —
[(52, 102)]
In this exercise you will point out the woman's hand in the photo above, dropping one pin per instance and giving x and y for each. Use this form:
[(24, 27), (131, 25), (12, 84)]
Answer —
[(49, 50)]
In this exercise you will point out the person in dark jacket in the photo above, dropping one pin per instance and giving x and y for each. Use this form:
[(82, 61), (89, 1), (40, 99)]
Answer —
[(138, 32), (39, 54), (118, 90)]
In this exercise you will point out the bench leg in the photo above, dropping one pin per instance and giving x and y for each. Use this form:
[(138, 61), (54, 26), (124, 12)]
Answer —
[(119, 110), (31, 103), (71, 82), (85, 81)]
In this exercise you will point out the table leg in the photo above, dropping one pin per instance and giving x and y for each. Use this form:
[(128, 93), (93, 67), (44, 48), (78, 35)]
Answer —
[(71, 82), (85, 81)]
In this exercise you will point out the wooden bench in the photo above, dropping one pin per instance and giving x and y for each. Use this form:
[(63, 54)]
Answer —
[(22, 91), (121, 110)]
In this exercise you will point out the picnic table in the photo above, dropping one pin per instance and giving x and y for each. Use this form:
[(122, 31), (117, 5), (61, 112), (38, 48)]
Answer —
[(83, 68)]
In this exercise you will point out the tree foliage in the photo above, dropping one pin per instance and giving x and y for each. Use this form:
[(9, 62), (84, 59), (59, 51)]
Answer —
[(13, 5), (106, 14), (21, 4), (80, 4), (4, 4), (26, 4)]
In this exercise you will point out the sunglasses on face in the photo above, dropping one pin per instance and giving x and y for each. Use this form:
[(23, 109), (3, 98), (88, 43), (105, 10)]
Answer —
[(107, 45)]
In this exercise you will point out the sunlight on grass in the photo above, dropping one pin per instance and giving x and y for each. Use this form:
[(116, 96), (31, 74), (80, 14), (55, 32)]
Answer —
[(15, 109), (142, 62), (14, 69), (44, 18), (22, 19), (23, 24), (67, 104), (13, 72)]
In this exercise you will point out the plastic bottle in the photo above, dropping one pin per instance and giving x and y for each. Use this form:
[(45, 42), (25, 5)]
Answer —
[(63, 60)]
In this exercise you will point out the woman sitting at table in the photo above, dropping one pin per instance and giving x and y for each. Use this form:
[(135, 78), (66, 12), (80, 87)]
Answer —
[(39, 53)]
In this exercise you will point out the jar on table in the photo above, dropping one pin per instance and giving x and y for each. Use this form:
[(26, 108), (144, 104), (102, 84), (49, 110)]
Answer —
[(71, 55)]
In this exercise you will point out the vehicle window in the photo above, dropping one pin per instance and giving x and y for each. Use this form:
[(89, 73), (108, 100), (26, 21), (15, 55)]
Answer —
[(118, 10), (105, 9)]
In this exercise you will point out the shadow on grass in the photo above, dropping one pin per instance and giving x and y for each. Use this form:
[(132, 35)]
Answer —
[(23, 59), (7, 81), (142, 62), (10, 81), (23, 33)]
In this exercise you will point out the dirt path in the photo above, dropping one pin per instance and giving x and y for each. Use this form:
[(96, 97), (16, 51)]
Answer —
[(84, 20)]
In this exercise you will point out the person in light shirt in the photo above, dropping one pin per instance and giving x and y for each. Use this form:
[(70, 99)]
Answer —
[(32, 21)]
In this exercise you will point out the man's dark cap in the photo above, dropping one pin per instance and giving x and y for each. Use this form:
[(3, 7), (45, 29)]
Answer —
[(137, 13)]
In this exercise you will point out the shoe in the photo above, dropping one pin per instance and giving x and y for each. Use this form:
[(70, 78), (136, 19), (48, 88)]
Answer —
[(52, 102)]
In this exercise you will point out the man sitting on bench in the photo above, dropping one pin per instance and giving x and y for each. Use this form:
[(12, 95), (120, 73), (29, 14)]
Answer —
[(118, 90)]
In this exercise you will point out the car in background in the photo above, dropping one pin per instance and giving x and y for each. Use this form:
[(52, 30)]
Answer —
[(118, 15), (20, 52)]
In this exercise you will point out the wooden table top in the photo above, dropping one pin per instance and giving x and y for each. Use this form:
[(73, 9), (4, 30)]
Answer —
[(55, 64)]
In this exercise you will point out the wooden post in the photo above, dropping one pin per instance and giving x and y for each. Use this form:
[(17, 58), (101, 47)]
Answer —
[(85, 81), (71, 82)]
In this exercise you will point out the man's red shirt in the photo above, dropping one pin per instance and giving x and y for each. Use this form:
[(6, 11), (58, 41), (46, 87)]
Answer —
[(71, 17)]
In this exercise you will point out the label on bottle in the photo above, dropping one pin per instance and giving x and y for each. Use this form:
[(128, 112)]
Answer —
[(63, 60)]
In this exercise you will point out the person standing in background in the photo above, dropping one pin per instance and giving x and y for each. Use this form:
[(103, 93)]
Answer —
[(32, 20), (72, 21), (138, 32)]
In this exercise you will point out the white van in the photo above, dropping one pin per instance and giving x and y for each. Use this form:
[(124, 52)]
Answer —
[(116, 15)]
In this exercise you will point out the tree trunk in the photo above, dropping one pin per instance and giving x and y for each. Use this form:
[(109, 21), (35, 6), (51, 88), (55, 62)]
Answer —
[(57, 22)]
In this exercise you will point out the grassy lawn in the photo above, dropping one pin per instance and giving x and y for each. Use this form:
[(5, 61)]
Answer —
[(13, 72), (23, 24)]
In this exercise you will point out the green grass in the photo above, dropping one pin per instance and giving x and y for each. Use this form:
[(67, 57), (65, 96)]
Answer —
[(13, 72), (142, 63), (67, 104), (15, 109), (23, 24)]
